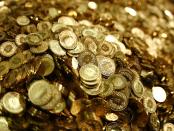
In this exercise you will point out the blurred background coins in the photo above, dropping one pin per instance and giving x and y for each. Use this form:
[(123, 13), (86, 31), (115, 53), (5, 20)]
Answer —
[(23, 20), (168, 127), (13, 102)]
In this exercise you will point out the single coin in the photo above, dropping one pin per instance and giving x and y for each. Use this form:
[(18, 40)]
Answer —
[(89, 32), (55, 47), (31, 28), (47, 66), (41, 48), (44, 26), (126, 72), (79, 49), (117, 101), (106, 65), (57, 27), (68, 39), (59, 107), (105, 48), (91, 44), (8, 49), (168, 127), (13, 102), (23, 20), (16, 60), (20, 39), (111, 117), (39, 92), (119, 81), (34, 39), (66, 20), (86, 57), (56, 97), (149, 104), (4, 67), (138, 88), (89, 72), (108, 89)]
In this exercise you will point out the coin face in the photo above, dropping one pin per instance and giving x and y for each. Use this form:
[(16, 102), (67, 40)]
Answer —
[(106, 65), (68, 39), (40, 92), (8, 49), (23, 20), (149, 104), (118, 101), (34, 39), (118, 81), (79, 48), (138, 88), (13, 102), (86, 57), (56, 97), (107, 89), (89, 72), (168, 127)]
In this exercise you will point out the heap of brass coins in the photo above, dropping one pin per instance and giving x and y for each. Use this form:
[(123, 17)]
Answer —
[(79, 65)]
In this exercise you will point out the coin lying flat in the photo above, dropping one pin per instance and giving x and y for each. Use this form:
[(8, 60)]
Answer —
[(34, 39), (149, 104), (67, 20), (79, 48), (105, 48), (8, 49), (86, 57), (118, 101), (68, 39), (106, 65), (138, 88), (13, 102), (23, 20), (39, 92), (168, 127), (44, 26), (107, 89), (89, 72), (118, 81), (20, 39), (40, 48)]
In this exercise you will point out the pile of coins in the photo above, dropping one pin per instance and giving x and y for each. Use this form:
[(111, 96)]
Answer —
[(84, 65)]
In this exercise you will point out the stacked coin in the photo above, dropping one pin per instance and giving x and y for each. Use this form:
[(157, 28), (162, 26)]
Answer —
[(46, 95), (90, 77)]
